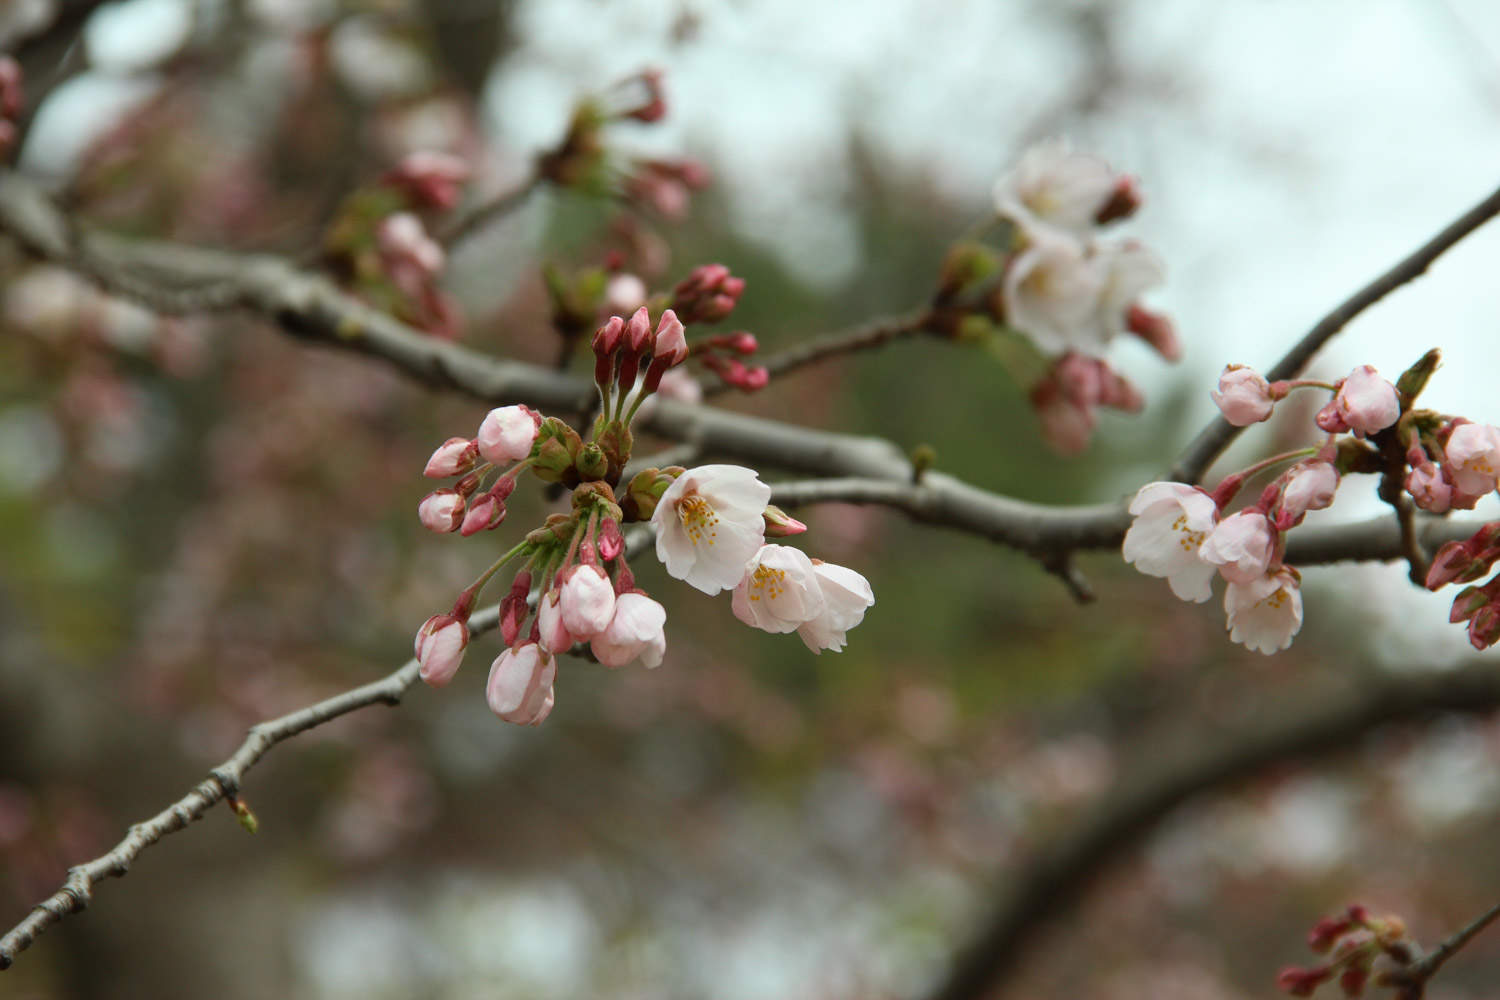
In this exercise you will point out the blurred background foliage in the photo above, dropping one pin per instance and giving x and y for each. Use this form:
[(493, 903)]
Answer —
[(204, 523)]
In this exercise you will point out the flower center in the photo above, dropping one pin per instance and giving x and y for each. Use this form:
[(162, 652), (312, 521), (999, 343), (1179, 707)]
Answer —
[(771, 582), (699, 519), (1188, 539)]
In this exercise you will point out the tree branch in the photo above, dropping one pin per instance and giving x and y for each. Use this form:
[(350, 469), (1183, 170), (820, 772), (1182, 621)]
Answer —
[(1219, 434), (1413, 978), (1063, 870), (861, 338), (466, 225)]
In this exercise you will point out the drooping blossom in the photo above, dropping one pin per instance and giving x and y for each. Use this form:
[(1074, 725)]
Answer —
[(779, 591), (1472, 457), (440, 646), (1266, 612), (1429, 488), (519, 688), (1243, 396), (635, 632), (1363, 403), (1171, 522), (507, 433), (1051, 184), (709, 524), (587, 602), (1308, 486), (1241, 546), (846, 597), (441, 511), (453, 457)]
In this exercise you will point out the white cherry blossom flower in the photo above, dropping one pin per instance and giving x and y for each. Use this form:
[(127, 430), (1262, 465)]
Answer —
[(519, 688), (634, 633), (1241, 546), (507, 434), (780, 591), (587, 602), (1052, 294), (440, 646), (709, 525), (846, 596), (1054, 185), (1265, 613), (1171, 522), (1472, 457)]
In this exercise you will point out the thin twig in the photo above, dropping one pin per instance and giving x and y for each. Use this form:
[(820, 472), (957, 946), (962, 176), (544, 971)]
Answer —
[(1420, 971), (1219, 434), (223, 781), (480, 216), (861, 338)]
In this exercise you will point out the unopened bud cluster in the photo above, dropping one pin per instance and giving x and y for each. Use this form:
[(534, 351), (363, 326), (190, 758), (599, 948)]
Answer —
[(1353, 941), (574, 586)]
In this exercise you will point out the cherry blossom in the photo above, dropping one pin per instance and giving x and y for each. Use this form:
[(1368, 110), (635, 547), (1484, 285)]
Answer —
[(1052, 291), (1366, 403), (519, 688), (441, 511), (635, 632), (1241, 546), (440, 648), (1054, 185), (1472, 457), (1266, 612), (1171, 522), (507, 433), (709, 525), (780, 591), (1244, 397), (1308, 486), (553, 634), (453, 457), (587, 602), (846, 597)]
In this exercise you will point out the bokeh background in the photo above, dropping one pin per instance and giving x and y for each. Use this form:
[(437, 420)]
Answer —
[(203, 523)]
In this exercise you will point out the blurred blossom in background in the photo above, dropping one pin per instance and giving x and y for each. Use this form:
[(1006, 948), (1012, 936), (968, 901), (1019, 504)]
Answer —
[(203, 524)]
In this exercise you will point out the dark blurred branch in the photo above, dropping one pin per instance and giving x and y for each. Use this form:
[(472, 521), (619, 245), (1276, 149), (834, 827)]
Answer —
[(1219, 434), (222, 782), (861, 338), (1061, 872)]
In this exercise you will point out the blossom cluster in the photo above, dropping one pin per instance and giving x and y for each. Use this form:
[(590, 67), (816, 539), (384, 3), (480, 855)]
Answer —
[(1069, 291), (574, 586), (380, 245), (1183, 533), (1352, 940)]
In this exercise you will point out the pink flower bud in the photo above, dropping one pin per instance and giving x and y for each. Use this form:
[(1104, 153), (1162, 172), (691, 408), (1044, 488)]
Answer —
[(1155, 329), (453, 457), (638, 331), (780, 524), (611, 540), (1366, 402), (1241, 546), (487, 512), (551, 632), (403, 243), (440, 648), (519, 688), (1243, 396), (635, 632), (1453, 561), (1302, 982), (588, 601), (707, 295), (513, 608), (507, 434), (1472, 457), (671, 339), (607, 337), (1309, 486), (430, 179), (441, 511), (11, 96), (1124, 200)]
